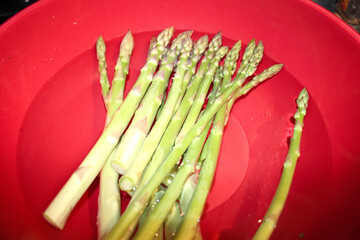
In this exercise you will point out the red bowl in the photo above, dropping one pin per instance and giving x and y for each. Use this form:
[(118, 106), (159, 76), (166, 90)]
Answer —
[(51, 112)]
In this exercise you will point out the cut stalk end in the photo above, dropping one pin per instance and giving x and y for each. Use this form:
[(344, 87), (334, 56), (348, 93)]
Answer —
[(126, 184), (59, 224), (118, 167)]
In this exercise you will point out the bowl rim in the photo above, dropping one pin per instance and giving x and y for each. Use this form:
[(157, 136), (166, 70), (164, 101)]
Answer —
[(310, 4)]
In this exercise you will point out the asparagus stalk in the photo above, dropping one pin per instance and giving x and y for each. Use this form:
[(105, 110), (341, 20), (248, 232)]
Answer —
[(196, 54), (102, 66), (277, 204), (189, 224), (214, 45), (109, 205), (251, 54), (156, 218), (227, 71), (131, 177), (202, 93), (172, 221), (230, 62), (145, 115), (141, 197), (116, 94), (153, 222), (152, 204), (176, 122), (59, 209)]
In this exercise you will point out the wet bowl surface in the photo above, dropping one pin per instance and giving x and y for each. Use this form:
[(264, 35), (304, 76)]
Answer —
[(51, 112)]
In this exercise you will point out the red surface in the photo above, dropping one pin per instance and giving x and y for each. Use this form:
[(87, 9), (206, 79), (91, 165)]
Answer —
[(51, 112)]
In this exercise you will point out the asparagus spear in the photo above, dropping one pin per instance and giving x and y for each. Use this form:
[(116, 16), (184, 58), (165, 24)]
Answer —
[(188, 226), (172, 221), (201, 94), (60, 208), (156, 218), (189, 73), (116, 94), (146, 113), (131, 177), (250, 56), (174, 126), (141, 197), (152, 204), (102, 66), (276, 207), (189, 223), (144, 116), (109, 205), (227, 71)]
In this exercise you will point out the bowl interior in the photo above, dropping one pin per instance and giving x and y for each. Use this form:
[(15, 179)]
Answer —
[(52, 114)]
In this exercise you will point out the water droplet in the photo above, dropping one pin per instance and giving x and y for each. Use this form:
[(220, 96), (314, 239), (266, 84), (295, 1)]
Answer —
[(260, 220), (292, 119), (173, 234), (75, 23), (288, 140)]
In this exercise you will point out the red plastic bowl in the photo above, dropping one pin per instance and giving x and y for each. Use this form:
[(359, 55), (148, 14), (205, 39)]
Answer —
[(51, 112)]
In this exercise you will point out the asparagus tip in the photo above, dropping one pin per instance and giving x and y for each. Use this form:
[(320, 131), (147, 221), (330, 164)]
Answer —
[(237, 45), (100, 45), (201, 44), (165, 36), (252, 41), (216, 42), (302, 100), (222, 51), (100, 39), (187, 44), (127, 43), (178, 41), (268, 73)]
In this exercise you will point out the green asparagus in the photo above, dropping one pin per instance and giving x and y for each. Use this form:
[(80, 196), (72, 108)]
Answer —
[(131, 177), (276, 207), (141, 198), (59, 209), (174, 126), (109, 195), (188, 226)]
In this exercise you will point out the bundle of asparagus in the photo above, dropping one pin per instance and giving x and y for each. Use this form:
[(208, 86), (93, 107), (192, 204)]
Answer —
[(161, 146)]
